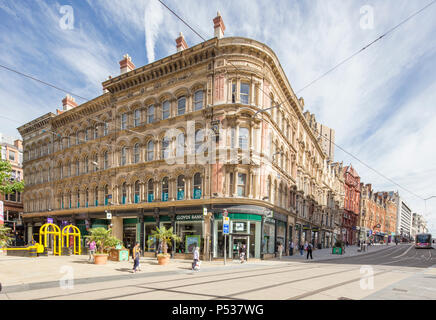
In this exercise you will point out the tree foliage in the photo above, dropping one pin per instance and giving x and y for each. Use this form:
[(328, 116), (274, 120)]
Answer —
[(103, 239), (165, 236), (7, 186), (5, 236)]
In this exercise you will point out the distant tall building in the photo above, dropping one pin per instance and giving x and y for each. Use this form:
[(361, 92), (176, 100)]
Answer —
[(404, 216), (324, 134)]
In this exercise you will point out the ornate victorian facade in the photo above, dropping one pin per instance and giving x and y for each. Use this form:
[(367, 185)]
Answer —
[(181, 134)]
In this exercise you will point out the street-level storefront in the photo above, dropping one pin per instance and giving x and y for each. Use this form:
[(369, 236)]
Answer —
[(244, 229)]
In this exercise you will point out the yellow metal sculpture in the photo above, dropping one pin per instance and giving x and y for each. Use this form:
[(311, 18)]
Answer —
[(48, 229), (66, 233)]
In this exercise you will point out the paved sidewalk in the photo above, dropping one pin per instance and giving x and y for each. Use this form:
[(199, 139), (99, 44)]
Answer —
[(326, 254)]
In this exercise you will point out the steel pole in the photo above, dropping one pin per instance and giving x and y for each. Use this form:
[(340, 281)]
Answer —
[(225, 248)]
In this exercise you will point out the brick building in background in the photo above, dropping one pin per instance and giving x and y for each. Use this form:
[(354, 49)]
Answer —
[(351, 205), (378, 215), (12, 151)]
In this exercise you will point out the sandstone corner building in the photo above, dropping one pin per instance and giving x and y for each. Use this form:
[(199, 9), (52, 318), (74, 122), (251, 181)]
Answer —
[(113, 154)]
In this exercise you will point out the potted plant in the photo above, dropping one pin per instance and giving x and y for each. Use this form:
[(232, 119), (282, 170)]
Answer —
[(5, 238), (164, 236), (104, 240)]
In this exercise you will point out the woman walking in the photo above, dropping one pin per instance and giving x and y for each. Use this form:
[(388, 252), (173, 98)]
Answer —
[(136, 255), (196, 259), (92, 246)]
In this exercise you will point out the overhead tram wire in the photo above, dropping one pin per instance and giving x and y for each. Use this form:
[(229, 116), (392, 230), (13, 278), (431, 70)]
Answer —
[(367, 46), (347, 59), (43, 82)]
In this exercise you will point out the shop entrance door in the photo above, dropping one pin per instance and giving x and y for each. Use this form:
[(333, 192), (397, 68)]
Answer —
[(238, 242)]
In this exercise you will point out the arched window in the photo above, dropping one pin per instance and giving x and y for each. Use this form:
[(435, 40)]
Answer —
[(180, 149), (165, 189), (242, 179), (96, 196), (181, 187), (137, 192), (106, 195), (77, 137), (68, 141), (137, 117), (68, 166), (78, 199), (198, 100), (61, 171), (150, 114), (106, 160), (96, 131), (124, 121), (86, 197), (150, 191), (136, 150), (243, 138), (95, 165), (150, 151), (165, 110), (124, 193), (123, 156), (62, 200), (105, 129), (165, 147), (197, 186), (70, 200), (77, 167), (181, 106), (86, 134), (85, 164), (199, 138)]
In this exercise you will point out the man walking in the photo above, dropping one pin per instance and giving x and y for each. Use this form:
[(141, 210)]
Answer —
[(309, 251)]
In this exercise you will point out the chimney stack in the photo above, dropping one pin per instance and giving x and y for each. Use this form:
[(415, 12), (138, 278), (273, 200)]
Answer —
[(218, 26), (126, 64), (181, 43), (69, 103)]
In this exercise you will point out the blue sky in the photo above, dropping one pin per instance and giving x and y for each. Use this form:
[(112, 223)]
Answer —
[(381, 103)]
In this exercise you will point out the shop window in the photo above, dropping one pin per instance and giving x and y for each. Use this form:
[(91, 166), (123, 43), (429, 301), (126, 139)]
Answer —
[(181, 106), (180, 187), (150, 151), (165, 110), (268, 237), (150, 190), (198, 100), (197, 186), (165, 189), (190, 233)]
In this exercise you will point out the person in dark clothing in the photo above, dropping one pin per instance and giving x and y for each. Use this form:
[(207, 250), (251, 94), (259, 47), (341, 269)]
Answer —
[(309, 251)]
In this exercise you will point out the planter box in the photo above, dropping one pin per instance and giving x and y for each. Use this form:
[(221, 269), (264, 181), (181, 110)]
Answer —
[(100, 258), (337, 250), (163, 260), (119, 255)]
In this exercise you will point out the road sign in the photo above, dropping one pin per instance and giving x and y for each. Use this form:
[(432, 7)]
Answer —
[(108, 215), (226, 224), (225, 213), (204, 211)]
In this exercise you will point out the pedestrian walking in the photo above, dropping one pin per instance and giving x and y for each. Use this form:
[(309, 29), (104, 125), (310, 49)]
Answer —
[(301, 249), (196, 262), (242, 253), (309, 251), (280, 248), (136, 255), (291, 251), (92, 247)]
